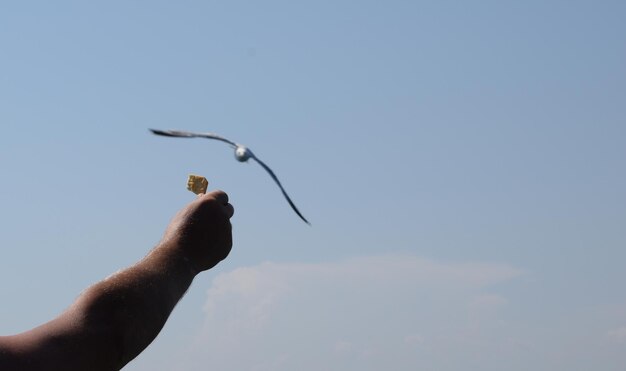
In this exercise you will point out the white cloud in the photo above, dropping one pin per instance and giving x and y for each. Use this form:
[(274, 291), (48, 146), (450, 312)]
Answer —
[(344, 347), (414, 339), (365, 313), (618, 334)]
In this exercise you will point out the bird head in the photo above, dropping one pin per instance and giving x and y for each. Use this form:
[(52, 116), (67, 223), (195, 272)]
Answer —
[(242, 154)]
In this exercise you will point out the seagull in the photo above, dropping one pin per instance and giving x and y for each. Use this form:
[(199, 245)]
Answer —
[(242, 154)]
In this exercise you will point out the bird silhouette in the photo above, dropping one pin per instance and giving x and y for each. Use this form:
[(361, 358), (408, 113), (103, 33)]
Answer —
[(242, 154)]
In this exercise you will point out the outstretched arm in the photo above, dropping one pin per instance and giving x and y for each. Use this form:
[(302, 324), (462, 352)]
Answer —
[(114, 320)]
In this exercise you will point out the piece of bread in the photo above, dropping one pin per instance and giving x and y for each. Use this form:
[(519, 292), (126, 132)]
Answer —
[(197, 184)]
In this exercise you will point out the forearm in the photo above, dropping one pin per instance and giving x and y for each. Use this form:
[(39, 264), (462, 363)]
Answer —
[(110, 323), (136, 302)]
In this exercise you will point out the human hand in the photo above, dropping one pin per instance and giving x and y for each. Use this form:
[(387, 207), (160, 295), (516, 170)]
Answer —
[(201, 231)]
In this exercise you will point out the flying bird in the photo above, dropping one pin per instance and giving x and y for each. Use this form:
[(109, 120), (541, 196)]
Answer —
[(242, 154)]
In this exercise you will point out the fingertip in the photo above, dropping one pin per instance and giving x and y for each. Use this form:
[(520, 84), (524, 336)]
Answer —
[(218, 195), (230, 210)]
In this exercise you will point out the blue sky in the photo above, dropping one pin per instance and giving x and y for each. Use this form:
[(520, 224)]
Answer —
[(461, 164)]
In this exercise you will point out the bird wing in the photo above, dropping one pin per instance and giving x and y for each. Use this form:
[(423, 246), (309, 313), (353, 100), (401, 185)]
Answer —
[(293, 206), (188, 134)]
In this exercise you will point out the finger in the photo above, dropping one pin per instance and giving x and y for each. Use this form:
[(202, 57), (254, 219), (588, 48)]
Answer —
[(230, 210), (220, 196)]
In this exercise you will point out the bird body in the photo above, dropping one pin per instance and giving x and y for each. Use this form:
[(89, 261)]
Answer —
[(242, 154)]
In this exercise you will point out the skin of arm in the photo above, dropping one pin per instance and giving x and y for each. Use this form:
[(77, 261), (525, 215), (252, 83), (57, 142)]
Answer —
[(115, 319)]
